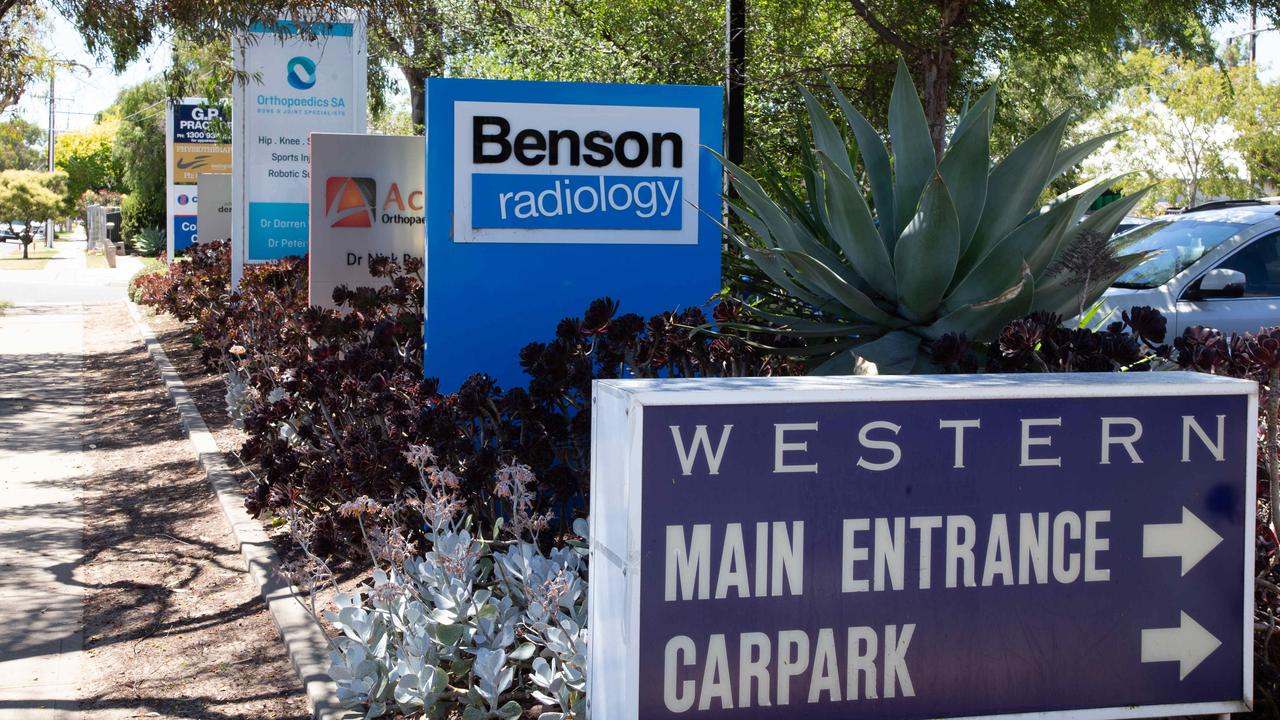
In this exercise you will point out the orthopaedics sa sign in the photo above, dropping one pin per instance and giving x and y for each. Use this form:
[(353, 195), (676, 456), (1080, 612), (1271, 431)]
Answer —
[(195, 143), (366, 202), (306, 79), (550, 195)]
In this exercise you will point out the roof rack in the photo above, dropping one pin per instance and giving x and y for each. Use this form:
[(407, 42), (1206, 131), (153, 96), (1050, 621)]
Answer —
[(1222, 205)]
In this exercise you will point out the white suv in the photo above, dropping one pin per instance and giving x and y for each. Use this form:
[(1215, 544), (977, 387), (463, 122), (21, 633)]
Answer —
[(1217, 266)]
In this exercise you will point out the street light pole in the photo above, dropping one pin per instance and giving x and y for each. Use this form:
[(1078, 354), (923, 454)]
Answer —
[(1252, 34)]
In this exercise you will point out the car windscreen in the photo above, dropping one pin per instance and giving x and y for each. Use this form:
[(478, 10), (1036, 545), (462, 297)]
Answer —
[(1177, 245)]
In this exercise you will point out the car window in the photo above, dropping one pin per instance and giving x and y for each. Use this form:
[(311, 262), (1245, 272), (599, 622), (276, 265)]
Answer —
[(1176, 244), (1260, 263)]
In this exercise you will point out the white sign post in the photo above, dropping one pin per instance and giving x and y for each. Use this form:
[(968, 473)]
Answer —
[(367, 196), (214, 216), (311, 80)]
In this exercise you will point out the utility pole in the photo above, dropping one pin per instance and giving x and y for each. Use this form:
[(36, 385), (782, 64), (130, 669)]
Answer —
[(735, 40), (1253, 35), (48, 223)]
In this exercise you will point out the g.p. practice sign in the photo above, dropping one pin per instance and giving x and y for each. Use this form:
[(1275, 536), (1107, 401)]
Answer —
[(546, 196), (195, 143), (922, 547)]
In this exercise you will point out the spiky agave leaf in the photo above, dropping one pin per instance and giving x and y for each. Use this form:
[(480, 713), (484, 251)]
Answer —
[(959, 245)]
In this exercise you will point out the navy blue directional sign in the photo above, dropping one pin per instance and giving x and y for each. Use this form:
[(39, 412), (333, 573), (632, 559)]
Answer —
[(922, 547)]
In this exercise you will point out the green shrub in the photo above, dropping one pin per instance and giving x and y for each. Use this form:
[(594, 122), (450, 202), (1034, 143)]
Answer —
[(137, 214), (150, 242), (148, 284)]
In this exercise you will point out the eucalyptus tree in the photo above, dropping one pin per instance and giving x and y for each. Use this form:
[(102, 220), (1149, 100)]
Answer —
[(22, 145), (22, 55), (954, 48), (950, 44)]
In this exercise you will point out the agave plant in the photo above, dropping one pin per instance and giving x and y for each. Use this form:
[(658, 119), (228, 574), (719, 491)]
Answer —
[(959, 245)]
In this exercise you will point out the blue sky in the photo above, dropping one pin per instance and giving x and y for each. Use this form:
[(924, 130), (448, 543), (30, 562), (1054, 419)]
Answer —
[(1268, 44), (81, 94)]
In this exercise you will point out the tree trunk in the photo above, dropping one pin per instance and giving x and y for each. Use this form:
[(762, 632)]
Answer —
[(937, 84), (417, 80), (933, 58)]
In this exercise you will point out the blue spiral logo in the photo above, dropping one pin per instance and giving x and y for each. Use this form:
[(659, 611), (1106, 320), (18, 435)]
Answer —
[(302, 72)]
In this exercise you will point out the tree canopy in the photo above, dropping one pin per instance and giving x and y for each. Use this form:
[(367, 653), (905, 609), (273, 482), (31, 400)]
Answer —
[(22, 145), (1045, 56), (1196, 130), (31, 196), (138, 148), (22, 54), (87, 157), (952, 46)]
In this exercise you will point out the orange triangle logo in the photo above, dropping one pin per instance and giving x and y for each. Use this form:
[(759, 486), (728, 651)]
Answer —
[(349, 201)]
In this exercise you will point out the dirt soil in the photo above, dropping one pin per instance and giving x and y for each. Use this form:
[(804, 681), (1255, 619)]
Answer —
[(208, 389), (174, 628)]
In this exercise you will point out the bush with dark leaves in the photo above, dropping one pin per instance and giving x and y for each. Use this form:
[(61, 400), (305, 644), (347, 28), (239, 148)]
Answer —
[(333, 400), (1041, 343)]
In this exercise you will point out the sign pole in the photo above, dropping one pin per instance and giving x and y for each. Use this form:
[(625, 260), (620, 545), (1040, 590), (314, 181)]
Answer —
[(48, 223), (735, 37)]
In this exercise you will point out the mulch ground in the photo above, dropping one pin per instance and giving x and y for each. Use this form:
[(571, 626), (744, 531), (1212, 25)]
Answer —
[(174, 628), (208, 390)]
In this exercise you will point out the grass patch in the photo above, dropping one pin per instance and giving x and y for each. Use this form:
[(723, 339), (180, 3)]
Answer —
[(96, 262), (151, 263), (39, 257), (5, 305)]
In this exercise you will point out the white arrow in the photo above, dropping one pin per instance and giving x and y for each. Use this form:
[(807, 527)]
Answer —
[(1187, 645), (1190, 540)]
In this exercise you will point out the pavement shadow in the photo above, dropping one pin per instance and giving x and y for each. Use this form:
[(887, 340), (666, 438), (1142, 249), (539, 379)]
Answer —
[(202, 707)]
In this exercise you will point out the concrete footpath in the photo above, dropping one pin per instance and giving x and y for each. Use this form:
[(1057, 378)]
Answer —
[(41, 470), (67, 279), (42, 466)]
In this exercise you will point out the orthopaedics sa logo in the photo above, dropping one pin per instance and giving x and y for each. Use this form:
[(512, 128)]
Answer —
[(348, 201), (302, 72)]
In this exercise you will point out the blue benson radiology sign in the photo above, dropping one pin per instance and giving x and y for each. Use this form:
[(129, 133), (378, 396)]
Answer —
[(1058, 546), (544, 196)]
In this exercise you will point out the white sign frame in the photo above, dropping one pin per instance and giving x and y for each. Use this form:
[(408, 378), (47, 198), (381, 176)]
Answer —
[(617, 421), (240, 190), (580, 118)]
